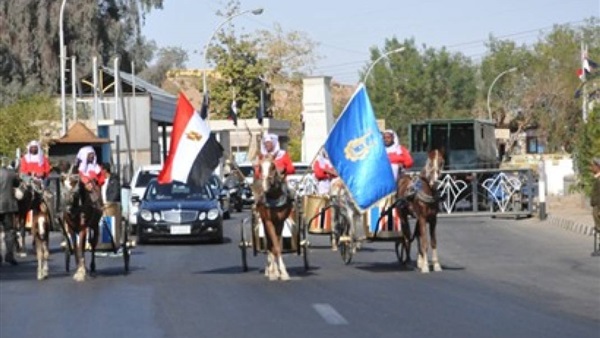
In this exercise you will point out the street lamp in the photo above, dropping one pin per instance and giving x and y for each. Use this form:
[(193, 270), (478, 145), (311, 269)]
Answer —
[(492, 85), (397, 50), (61, 36), (257, 11)]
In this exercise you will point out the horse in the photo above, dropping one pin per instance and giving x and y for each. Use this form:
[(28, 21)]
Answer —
[(33, 202), (82, 213), (422, 202), (273, 205)]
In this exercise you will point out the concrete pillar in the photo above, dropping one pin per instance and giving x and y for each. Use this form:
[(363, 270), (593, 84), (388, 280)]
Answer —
[(317, 115)]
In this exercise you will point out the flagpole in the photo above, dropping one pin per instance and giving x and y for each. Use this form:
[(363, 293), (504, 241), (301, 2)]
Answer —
[(583, 89)]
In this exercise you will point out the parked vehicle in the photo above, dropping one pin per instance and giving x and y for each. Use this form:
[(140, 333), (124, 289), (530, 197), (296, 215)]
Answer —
[(137, 188), (176, 211), (235, 187), (467, 143), (295, 179), (222, 194), (248, 170)]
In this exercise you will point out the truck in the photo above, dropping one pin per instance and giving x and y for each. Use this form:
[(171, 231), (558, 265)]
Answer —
[(467, 143)]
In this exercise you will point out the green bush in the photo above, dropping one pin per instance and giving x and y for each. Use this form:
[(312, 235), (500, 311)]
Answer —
[(587, 147), (17, 121)]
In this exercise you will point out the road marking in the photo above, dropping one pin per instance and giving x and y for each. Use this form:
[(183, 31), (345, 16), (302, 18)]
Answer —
[(330, 315)]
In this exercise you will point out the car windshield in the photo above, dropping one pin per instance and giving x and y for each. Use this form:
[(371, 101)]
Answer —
[(177, 191), (144, 178)]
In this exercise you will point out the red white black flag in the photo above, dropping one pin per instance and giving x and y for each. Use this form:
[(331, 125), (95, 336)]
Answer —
[(194, 152)]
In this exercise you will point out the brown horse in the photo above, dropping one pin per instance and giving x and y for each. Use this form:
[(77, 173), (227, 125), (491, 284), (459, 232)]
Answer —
[(274, 205), (81, 215), (422, 202), (33, 204)]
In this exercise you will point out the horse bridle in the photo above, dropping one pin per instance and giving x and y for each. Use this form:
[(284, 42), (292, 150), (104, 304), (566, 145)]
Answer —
[(271, 178), (433, 169)]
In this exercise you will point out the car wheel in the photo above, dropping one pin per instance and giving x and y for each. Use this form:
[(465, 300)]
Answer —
[(141, 239), (219, 239)]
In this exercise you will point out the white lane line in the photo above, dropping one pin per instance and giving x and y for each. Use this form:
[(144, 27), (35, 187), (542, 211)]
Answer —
[(330, 315)]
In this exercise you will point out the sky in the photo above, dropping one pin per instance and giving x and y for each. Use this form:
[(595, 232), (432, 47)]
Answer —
[(346, 30)]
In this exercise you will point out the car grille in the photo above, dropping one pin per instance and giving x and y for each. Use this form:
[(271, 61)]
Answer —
[(179, 216)]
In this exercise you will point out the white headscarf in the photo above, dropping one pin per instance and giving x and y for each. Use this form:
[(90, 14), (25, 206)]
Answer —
[(276, 149), (395, 147), (84, 166), (323, 159), (31, 158)]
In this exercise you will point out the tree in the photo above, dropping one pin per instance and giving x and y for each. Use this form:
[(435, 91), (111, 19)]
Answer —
[(25, 120), (30, 40), (168, 58), (273, 61), (414, 85), (587, 148)]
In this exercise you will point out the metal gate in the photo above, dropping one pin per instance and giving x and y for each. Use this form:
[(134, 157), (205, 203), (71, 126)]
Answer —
[(487, 192)]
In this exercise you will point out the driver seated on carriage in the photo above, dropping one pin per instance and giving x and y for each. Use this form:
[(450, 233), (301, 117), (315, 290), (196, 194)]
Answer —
[(324, 173), (270, 147), (34, 163), (91, 174), (399, 157)]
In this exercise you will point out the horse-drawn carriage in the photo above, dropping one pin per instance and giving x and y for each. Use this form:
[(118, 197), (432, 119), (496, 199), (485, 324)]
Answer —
[(386, 221), (274, 227), (90, 225)]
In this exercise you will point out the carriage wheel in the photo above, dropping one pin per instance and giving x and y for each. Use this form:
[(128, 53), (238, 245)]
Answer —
[(67, 258), (244, 248), (304, 242), (399, 246), (125, 248), (345, 241)]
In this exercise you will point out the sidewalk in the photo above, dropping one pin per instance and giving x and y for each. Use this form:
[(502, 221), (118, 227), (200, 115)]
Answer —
[(571, 212)]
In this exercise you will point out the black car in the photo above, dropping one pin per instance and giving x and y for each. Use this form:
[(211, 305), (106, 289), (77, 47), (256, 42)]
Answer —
[(179, 211)]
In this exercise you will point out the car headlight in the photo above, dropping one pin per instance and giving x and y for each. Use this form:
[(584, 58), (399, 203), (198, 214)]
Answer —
[(146, 215), (213, 214), (202, 216), (156, 216)]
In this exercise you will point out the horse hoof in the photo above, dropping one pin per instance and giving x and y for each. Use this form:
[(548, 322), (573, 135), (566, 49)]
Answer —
[(273, 277), (437, 267), (425, 269), (79, 278), (284, 276)]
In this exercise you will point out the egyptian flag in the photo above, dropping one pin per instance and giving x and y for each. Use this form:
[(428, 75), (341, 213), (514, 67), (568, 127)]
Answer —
[(194, 152)]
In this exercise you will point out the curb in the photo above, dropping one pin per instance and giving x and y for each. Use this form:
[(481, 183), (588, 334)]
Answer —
[(580, 228)]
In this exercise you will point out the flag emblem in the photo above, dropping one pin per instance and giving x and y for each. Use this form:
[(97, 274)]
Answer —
[(358, 149), (193, 135)]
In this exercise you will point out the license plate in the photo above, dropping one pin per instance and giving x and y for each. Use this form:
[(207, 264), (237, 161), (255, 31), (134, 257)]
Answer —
[(181, 229)]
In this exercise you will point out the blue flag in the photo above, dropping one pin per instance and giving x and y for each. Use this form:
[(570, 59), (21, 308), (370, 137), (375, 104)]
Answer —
[(356, 150)]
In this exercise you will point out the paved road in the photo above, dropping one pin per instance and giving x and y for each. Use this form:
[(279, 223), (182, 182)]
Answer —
[(501, 279)]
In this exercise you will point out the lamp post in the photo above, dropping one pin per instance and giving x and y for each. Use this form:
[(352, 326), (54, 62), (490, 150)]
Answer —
[(257, 11), (61, 36), (492, 86), (397, 50)]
